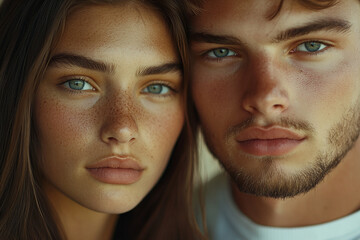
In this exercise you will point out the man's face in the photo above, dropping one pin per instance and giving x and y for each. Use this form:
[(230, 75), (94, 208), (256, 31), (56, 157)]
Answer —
[(278, 98)]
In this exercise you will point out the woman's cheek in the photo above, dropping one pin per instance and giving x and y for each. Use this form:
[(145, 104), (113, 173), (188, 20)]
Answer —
[(61, 125), (164, 125)]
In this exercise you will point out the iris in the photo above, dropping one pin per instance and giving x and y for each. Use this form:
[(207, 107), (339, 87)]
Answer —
[(76, 84), (312, 46), (155, 88), (221, 52)]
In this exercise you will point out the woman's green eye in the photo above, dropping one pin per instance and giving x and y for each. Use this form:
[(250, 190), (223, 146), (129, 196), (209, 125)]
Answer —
[(79, 85), (310, 46), (220, 53), (157, 89)]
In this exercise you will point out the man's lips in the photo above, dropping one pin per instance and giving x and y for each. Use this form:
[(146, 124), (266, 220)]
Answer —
[(254, 133), (268, 142), (116, 170)]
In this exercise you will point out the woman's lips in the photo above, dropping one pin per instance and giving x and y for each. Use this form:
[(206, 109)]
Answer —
[(268, 142), (116, 170)]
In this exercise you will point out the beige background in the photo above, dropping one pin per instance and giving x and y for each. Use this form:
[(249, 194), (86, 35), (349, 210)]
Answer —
[(209, 166)]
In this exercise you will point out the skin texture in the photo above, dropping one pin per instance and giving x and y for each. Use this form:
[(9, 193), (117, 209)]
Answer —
[(267, 79), (115, 114)]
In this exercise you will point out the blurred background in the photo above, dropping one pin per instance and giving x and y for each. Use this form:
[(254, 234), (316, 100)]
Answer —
[(209, 165)]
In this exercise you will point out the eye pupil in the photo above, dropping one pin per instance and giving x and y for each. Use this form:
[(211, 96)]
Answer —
[(76, 84), (312, 46), (221, 52), (155, 88)]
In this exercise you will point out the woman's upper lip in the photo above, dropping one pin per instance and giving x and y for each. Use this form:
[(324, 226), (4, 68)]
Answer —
[(125, 162), (253, 133)]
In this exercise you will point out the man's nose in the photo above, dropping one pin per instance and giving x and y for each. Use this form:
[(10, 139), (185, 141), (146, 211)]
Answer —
[(119, 120), (266, 91)]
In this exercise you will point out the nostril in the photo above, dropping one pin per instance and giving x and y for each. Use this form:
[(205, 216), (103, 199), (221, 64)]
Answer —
[(112, 139)]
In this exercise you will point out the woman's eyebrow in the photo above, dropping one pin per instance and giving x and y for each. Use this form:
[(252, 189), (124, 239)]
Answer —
[(327, 24), (160, 69), (88, 63), (81, 61)]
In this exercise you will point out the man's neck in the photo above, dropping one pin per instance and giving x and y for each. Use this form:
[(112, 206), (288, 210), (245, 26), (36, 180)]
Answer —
[(336, 196)]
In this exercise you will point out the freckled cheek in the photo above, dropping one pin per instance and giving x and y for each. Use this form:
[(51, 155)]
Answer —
[(62, 128), (162, 128)]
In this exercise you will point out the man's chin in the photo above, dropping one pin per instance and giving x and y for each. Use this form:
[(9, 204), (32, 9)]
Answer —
[(273, 181)]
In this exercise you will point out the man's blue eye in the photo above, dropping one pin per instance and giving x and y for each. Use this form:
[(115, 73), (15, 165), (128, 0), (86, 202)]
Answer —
[(157, 89), (78, 84), (221, 53), (311, 46)]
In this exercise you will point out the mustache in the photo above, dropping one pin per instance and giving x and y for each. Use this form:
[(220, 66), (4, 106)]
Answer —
[(282, 122)]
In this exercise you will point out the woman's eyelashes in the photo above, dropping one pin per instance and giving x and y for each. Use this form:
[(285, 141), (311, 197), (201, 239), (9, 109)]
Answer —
[(160, 89), (78, 85)]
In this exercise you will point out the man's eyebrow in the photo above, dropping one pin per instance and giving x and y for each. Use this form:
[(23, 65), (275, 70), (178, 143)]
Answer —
[(338, 25), (160, 69), (212, 38), (81, 61)]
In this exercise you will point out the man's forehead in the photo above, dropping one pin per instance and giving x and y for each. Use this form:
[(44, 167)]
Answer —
[(262, 8), (272, 5), (227, 12), (232, 16)]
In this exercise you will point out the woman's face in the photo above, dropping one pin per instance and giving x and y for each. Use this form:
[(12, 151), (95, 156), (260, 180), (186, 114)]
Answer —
[(109, 111)]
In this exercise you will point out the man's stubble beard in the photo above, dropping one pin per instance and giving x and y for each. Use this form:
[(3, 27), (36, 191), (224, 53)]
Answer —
[(272, 181)]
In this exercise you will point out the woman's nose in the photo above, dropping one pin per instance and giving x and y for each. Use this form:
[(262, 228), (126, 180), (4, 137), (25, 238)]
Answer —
[(119, 121)]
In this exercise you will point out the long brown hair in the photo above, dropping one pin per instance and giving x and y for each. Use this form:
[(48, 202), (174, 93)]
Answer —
[(29, 30)]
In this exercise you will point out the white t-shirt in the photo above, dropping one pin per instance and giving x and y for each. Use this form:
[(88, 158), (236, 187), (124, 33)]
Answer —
[(226, 222)]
